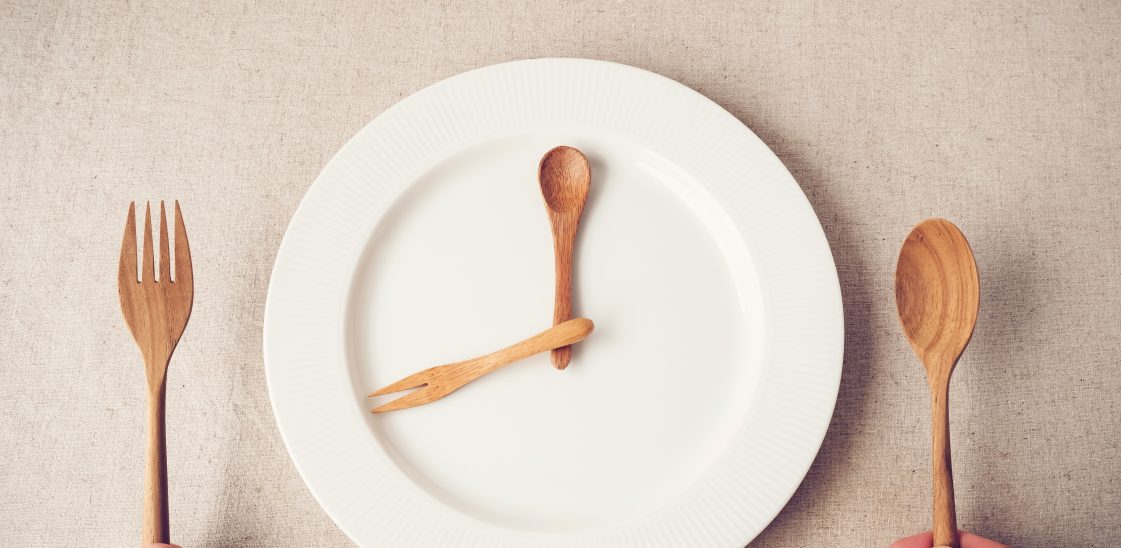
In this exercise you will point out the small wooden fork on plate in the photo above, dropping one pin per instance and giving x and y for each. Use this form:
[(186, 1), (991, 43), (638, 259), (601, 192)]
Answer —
[(436, 382), (156, 312)]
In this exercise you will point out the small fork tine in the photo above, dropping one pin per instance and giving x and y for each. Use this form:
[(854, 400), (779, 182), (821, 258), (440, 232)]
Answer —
[(415, 380), (148, 266), (183, 272), (420, 397), (431, 384), (165, 252), (126, 272)]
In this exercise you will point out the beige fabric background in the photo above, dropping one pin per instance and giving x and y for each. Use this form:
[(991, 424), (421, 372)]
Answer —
[(1000, 116)]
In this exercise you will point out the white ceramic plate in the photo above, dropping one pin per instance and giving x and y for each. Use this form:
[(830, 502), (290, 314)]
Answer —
[(688, 417)]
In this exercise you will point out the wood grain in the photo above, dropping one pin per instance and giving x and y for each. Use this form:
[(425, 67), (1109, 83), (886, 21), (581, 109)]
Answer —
[(937, 293), (442, 380), (156, 312), (565, 176)]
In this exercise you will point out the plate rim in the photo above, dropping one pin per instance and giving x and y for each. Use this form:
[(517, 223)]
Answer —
[(502, 73)]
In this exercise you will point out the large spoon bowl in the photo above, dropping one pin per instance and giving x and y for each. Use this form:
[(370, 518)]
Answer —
[(937, 292)]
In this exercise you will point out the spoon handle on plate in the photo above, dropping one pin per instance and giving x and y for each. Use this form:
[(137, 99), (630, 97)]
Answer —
[(564, 240)]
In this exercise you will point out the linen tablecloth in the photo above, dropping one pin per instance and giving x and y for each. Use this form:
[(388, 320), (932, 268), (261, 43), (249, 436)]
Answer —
[(1002, 116)]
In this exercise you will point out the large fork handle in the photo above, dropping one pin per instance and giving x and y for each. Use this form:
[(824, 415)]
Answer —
[(156, 527)]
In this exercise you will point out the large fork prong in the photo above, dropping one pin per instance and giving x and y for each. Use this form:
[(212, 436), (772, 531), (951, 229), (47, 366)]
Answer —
[(183, 273), (165, 252), (126, 271), (148, 265)]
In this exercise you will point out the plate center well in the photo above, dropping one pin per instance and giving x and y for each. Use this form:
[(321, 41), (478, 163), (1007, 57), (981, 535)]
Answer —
[(462, 265)]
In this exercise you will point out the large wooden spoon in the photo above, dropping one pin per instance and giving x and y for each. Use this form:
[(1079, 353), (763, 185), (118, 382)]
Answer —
[(937, 292), (565, 177)]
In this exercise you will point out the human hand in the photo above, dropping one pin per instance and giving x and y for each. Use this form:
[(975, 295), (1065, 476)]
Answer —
[(926, 540)]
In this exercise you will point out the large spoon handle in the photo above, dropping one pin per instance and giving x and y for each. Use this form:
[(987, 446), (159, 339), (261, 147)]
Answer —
[(945, 517)]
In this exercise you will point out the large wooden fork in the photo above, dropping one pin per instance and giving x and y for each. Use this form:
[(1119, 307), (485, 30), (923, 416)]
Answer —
[(156, 312)]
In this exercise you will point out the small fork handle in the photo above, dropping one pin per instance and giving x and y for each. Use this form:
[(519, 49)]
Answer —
[(156, 526), (562, 334)]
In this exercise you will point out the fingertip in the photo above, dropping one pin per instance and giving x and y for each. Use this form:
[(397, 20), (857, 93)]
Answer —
[(921, 540), (969, 540)]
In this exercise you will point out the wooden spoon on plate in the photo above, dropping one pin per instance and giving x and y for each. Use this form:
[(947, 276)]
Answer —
[(937, 292), (565, 176)]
